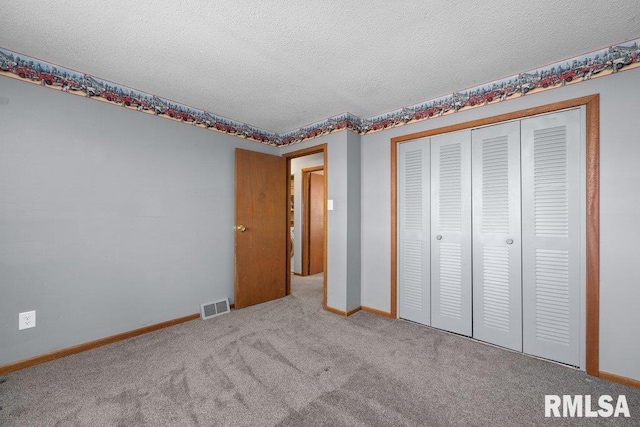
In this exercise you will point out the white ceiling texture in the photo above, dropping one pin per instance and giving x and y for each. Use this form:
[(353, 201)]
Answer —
[(282, 65)]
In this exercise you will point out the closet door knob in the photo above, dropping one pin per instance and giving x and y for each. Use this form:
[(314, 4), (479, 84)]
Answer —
[(509, 241), (438, 237)]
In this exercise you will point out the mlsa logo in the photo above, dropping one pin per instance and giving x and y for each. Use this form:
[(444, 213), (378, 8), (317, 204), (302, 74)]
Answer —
[(581, 406)]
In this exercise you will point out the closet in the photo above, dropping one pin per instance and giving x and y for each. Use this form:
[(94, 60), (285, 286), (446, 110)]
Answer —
[(489, 234)]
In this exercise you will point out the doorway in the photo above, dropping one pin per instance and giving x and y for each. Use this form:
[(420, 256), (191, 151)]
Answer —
[(307, 176), (312, 244)]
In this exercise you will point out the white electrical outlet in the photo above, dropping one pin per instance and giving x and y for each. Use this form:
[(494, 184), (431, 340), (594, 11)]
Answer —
[(27, 320)]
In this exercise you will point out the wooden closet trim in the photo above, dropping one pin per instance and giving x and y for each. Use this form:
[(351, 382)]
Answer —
[(592, 104)]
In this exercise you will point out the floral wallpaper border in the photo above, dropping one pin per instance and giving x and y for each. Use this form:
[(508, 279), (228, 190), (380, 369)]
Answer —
[(595, 64)]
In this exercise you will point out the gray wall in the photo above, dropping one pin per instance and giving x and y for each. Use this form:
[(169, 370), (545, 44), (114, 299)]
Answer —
[(619, 209), (353, 221), (339, 271), (110, 219), (297, 165)]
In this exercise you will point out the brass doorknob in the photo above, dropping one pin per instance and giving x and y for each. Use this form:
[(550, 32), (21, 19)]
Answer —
[(241, 228)]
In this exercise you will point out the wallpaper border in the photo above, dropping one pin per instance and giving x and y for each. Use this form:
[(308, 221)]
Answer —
[(599, 63)]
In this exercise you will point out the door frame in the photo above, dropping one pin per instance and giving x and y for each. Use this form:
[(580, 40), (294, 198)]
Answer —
[(322, 148), (306, 213), (592, 106)]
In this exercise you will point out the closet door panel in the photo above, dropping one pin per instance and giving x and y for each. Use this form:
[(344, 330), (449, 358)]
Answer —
[(451, 232), (497, 283), (413, 231), (551, 209)]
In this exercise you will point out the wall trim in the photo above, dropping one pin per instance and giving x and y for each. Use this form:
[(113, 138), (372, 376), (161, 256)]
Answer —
[(335, 311), (620, 379), (342, 312), (353, 311), (357, 309), (58, 354), (376, 311), (592, 104), (598, 63)]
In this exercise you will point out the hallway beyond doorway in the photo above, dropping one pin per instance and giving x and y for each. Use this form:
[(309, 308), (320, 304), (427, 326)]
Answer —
[(308, 288)]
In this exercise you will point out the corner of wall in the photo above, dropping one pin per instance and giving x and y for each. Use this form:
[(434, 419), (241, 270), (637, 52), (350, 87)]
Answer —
[(354, 258)]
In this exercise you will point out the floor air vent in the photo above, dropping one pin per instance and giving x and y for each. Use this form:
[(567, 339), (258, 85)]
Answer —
[(215, 308)]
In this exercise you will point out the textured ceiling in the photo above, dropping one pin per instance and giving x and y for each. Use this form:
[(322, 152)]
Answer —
[(282, 65)]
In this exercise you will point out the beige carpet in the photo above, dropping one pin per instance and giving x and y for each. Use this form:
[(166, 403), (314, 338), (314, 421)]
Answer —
[(288, 362)]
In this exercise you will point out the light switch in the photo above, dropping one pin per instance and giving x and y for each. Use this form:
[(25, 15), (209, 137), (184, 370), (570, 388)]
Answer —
[(329, 205)]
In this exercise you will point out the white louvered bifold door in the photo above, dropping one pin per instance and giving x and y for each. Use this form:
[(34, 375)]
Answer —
[(551, 236), (451, 232), (497, 275), (413, 231)]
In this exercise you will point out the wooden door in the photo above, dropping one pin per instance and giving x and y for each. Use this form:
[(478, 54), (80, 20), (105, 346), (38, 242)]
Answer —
[(316, 223), (261, 228)]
